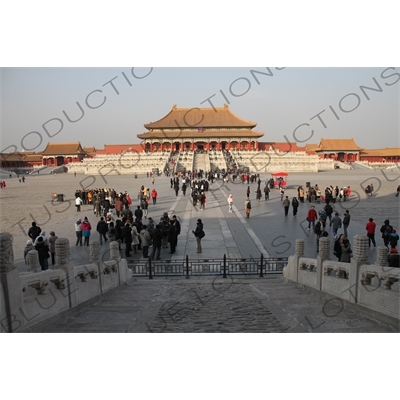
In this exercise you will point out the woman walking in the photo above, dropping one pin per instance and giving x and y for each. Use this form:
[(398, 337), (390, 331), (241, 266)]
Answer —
[(230, 202), (86, 228), (295, 206)]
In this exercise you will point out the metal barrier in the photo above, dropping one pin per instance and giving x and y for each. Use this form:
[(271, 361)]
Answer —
[(209, 266)]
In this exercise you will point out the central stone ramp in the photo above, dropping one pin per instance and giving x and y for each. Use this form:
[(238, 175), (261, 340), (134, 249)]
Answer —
[(212, 305), (201, 162)]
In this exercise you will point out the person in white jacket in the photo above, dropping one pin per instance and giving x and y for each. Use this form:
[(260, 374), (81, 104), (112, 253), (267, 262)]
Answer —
[(230, 202)]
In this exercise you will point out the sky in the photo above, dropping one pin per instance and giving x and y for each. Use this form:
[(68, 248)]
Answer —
[(39, 105)]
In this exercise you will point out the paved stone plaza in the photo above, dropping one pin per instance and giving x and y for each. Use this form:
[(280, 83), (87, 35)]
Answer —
[(210, 304)]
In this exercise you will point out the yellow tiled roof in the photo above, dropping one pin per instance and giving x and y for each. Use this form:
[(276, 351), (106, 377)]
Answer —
[(203, 134), (338, 145), (386, 152), (216, 117), (59, 149)]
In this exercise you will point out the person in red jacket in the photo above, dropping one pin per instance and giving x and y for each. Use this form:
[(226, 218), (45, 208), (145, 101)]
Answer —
[(370, 227), (312, 216), (154, 195), (86, 228)]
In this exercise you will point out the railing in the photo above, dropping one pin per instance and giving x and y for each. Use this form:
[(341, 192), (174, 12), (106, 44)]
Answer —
[(209, 266)]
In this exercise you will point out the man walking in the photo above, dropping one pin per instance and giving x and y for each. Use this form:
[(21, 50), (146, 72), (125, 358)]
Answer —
[(311, 217), (157, 242), (370, 227), (102, 228), (286, 204), (78, 232), (336, 223), (346, 223), (199, 234)]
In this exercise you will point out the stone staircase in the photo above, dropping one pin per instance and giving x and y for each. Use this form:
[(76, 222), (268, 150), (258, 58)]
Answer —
[(201, 162)]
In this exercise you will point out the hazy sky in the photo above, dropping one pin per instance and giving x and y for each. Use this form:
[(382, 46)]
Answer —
[(35, 99)]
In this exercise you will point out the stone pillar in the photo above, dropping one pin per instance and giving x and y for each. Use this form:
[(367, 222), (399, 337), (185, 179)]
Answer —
[(360, 249), (9, 277), (360, 257), (94, 252), (299, 252), (324, 252), (114, 251), (33, 261), (63, 262), (381, 257), (95, 259)]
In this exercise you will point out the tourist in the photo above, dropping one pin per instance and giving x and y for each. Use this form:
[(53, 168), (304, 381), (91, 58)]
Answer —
[(78, 203), (393, 258), (112, 235), (346, 251), (119, 237), (177, 226), (258, 193), (318, 229), (202, 201), (337, 248), (394, 238), (86, 228), (295, 206), (157, 242), (397, 191), (127, 235), (28, 248), (286, 205), (138, 214), (172, 237), (52, 246), (282, 192), (346, 222), (102, 228), (78, 232), (323, 216), (119, 206), (230, 202), (154, 195), (248, 191), (135, 238), (370, 227), (199, 234), (247, 207), (43, 252), (43, 235), (34, 231), (144, 207), (127, 214), (266, 191), (386, 230), (336, 223), (109, 217), (301, 194), (311, 217), (328, 210), (145, 241), (164, 227)]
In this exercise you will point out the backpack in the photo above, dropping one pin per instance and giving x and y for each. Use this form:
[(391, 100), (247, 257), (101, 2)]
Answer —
[(249, 205), (388, 230), (201, 234), (317, 228)]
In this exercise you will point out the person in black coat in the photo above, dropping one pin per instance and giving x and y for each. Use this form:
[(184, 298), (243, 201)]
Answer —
[(199, 234), (102, 228), (127, 235), (43, 251), (34, 232), (172, 237), (157, 242)]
